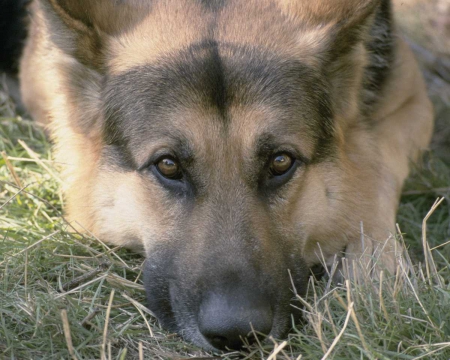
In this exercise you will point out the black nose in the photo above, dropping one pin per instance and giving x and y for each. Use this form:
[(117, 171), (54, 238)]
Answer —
[(227, 318)]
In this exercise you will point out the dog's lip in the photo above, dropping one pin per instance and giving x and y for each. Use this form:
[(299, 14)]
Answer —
[(208, 347), (211, 348)]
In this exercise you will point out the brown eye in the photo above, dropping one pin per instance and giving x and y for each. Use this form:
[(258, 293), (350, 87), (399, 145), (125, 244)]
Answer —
[(281, 164), (169, 168)]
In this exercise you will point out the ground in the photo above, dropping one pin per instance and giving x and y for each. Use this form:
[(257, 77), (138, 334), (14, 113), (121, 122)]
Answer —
[(64, 295)]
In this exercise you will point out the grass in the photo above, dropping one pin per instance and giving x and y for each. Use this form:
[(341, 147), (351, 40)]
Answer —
[(68, 296)]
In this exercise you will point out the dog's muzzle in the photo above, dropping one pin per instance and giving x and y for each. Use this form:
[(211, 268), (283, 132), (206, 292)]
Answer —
[(228, 319)]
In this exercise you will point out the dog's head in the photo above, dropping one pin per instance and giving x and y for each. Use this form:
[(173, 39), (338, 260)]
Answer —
[(222, 136)]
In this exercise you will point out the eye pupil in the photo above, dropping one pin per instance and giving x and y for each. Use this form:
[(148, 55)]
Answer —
[(281, 164), (169, 168)]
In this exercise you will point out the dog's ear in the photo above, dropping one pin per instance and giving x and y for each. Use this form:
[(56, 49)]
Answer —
[(340, 24), (346, 12), (81, 27), (343, 38), (108, 16)]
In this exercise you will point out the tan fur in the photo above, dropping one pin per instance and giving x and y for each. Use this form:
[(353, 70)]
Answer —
[(47, 98), (382, 158), (372, 163), (168, 27), (254, 23), (328, 12)]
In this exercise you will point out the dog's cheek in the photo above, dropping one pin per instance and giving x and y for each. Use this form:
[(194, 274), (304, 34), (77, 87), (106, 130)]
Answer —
[(321, 213), (343, 198), (130, 211)]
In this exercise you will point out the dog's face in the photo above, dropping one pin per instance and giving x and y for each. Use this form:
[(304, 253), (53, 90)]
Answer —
[(215, 144), (219, 146)]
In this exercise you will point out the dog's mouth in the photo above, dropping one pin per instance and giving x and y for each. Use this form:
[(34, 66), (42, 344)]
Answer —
[(224, 315)]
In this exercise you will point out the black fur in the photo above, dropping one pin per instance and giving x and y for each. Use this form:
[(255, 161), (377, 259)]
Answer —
[(13, 33), (381, 55), (213, 5)]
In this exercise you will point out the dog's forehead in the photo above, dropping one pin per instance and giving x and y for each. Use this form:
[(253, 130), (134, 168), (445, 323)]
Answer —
[(172, 24), (216, 88)]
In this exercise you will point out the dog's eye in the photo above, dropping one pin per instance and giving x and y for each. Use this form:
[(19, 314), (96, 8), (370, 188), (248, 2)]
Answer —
[(280, 164), (169, 168)]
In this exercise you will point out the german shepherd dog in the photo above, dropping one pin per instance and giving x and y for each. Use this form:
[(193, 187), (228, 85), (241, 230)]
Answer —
[(237, 143)]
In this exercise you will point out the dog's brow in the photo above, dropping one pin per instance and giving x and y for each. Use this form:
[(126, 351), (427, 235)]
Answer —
[(267, 144), (175, 144)]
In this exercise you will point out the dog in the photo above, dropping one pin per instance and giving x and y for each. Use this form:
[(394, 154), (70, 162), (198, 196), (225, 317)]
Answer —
[(236, 143)]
